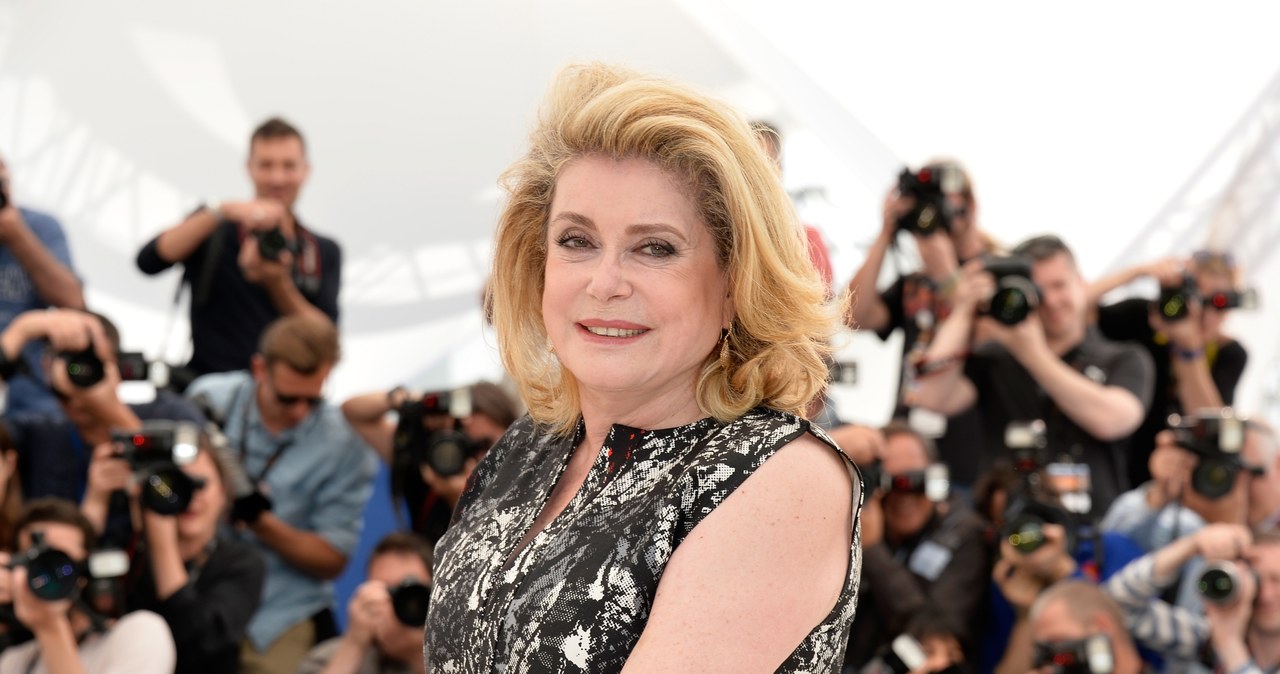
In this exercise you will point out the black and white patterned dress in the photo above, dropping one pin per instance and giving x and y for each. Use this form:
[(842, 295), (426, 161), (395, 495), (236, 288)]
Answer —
[(576, 598)]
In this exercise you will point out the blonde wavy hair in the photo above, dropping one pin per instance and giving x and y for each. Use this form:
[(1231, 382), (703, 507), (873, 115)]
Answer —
[(782, 324)]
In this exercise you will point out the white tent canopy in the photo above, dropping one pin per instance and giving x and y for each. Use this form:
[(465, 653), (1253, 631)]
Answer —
[(1086, 120)]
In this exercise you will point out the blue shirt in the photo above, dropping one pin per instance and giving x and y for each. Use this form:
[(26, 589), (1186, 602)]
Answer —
[(319, 483), (18, 294)]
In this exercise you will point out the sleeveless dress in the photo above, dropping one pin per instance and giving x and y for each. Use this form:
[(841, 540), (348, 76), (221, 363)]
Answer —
[(577, 596)]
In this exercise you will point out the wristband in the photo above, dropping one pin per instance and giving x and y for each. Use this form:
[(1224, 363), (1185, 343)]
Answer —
[(9, 367), (1187, 355)]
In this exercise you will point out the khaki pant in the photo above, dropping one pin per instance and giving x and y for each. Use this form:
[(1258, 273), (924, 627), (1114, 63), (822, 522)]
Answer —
[(284, 656)]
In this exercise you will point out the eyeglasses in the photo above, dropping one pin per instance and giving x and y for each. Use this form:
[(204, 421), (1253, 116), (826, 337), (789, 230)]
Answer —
[(290, 401)]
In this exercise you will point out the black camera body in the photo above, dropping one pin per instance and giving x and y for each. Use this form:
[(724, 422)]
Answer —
[(446, 451), (4, 195), (929, 187), (272, 243), (1216, 437), (410, 600), (1174, 303), (157, 453), (133, 366), (1024, 521), (51, 574), (1091, 655), (1015, 296)]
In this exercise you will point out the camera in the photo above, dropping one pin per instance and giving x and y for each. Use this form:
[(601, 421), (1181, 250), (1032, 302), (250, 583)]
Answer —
[(929, 187), (874, 479), (1174, 303), (271, 243), (410, 601), (51, 574), (1219, 583), (445, 450), (1015, 296), (84, 368), (156, 453), (1232, 299), (1091, 655), (1028, 443), (4, 195), (1025, 519), (1216, 437), (133, 366), (934, 482), (905, 654)]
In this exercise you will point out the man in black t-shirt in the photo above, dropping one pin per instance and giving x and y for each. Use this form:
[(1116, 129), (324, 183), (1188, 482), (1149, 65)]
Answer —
[(1197, 365), (236, 290), (1090, 393)]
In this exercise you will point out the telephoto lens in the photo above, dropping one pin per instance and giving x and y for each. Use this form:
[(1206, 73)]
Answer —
[(1220, 582), (84, 368), (51, 574), (168, 490), (448, 452), (411, 600)]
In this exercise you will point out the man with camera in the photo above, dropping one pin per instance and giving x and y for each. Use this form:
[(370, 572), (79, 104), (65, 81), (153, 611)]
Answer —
[(1197, 365), (1239, 630), (385, 616), (1212, 466), (433, 444), (924, 550), (250, 262), (80, 365), (35, 273), (1043, 362), (205, 584), (44, 582), (937, 207), (1076, 627), (310, 476)]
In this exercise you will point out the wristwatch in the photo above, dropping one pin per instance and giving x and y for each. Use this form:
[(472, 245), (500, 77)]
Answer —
[(214, 209), (1187, 355)]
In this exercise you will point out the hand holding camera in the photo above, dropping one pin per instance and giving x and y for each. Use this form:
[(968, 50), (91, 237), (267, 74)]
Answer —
[(1218, 542)]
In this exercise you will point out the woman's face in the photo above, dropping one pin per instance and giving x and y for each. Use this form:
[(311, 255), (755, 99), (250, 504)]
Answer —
[(635, 298), (200, 521)]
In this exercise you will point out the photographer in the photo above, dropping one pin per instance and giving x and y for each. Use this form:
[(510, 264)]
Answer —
[(54, 449), (310, 477), (1041, 544), (1240, 628), (35, 273), (1049, 365), (429, 495), (1200, 482), (206, 585), (924, 551), (1077, 627), (52, 537), (1197, 365), (942, 218), (385, 616), (250, 262)]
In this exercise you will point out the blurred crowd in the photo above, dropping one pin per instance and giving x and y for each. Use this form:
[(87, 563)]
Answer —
[(1065, 485)]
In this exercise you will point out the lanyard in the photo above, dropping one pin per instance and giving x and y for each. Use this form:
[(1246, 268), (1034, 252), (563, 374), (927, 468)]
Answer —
[(244, 438)]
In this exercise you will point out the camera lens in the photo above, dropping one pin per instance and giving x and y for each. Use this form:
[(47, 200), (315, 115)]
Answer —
[(448, 453), (1213, 478), (1026, 535), (1218, 583), (52, 575), (411, 601), (167, 491), (271, 243), (84, 368)]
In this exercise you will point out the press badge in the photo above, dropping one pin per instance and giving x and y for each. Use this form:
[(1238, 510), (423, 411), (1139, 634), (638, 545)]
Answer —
[(929, 560)]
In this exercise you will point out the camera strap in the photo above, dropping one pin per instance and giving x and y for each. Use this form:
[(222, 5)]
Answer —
[(243, 441)]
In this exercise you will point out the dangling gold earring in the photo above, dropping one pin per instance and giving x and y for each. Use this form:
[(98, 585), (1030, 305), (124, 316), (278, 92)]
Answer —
[(724, 349)]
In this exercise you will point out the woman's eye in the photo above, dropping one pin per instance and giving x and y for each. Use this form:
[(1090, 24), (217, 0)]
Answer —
[(657, 249), (572, 241)]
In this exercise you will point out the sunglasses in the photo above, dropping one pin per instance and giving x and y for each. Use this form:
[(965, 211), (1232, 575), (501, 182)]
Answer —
[(290, 401)]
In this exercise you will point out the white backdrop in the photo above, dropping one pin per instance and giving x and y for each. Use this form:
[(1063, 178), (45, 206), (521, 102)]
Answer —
[(119, 117)]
